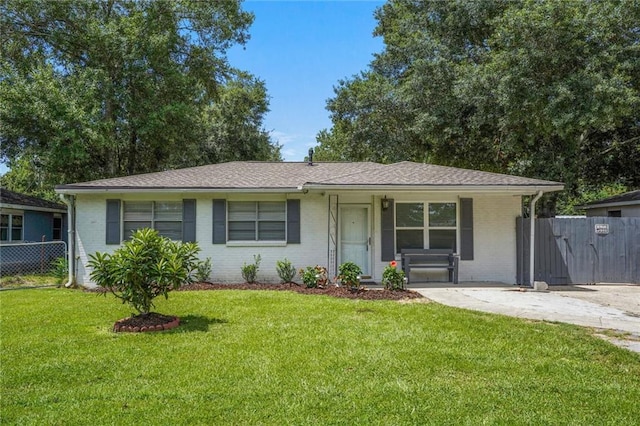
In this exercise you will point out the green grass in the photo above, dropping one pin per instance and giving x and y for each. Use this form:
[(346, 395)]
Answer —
[(254, 357), (29, 280)]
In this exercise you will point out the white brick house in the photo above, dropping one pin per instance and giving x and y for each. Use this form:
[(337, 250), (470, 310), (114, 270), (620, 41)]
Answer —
[(312, 214)]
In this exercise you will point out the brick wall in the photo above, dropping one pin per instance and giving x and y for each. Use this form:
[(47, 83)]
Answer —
[(226, 259), (494, 234), (494, 218)]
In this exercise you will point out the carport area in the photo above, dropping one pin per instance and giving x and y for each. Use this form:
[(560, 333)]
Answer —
[(603, 306)]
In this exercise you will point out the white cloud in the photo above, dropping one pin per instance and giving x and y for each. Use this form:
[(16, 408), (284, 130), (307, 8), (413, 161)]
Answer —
[(291, 155), (283, 138), (294, 146)]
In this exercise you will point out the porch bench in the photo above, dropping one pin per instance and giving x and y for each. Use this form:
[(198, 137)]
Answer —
[(430, 259)]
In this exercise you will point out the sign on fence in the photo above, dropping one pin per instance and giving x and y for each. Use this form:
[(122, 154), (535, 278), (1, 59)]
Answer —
[(602, 228)]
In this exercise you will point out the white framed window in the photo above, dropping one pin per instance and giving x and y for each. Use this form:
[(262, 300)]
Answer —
[(11, 227), (442, 226), (163, 216), (409, 226), (426, 225), (256, 220)]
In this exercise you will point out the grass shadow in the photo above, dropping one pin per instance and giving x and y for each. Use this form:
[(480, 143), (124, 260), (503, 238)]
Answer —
[(198, 322), (572, 287)]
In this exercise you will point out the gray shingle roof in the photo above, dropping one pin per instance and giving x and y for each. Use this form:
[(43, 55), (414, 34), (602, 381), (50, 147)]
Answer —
[(246, 175), (631, 197), (17, 199), (419, 174)]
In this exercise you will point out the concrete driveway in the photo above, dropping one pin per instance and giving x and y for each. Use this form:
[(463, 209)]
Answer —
[(605, 306)]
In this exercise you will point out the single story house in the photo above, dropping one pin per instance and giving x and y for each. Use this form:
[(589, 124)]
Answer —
[(322, 213), (24, 218), (621, 205)]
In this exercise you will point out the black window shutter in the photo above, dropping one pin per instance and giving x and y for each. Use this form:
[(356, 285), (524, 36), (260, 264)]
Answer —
[(293, 221), (113, 222), (388, 233), (466, 228), (219, 221), (188, 221)]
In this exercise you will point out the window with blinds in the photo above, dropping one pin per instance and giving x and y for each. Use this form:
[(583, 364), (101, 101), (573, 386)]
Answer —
[(257, 221), (163, 216)]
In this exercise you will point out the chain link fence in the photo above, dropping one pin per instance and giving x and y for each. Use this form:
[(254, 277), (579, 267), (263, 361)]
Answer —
[(31, 258)]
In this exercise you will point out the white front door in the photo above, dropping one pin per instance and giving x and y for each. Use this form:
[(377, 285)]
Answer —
[(354, 236)]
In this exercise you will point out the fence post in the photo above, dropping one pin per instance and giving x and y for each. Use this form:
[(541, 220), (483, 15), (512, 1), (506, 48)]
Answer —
[(42, 255)]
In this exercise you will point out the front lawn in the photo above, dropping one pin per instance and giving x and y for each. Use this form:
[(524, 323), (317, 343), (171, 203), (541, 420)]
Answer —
[(267, 357), (29, 280)]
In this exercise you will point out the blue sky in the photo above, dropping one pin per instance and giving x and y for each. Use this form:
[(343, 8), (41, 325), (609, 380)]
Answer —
[(301, 49)]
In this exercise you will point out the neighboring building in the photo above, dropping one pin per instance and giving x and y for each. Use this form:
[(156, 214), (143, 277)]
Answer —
[(622, 205), (24, 218), (312, 214)]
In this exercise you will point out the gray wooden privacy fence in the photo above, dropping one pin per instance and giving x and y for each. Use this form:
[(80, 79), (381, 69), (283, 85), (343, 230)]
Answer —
[(581, 250)]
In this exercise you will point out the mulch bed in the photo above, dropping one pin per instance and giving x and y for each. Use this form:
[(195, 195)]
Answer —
[(342, 292), (152, 321)]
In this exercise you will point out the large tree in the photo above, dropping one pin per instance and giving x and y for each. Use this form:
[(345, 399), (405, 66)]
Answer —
[(100, 88), (543, 89)]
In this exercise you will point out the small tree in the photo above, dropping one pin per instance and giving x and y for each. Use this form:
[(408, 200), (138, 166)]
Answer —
[(145, 267)]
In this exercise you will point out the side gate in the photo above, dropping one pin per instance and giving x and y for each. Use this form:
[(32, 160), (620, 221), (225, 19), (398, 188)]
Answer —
[(580, 250)]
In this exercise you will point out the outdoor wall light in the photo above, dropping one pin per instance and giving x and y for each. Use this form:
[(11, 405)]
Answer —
[(385, 203)]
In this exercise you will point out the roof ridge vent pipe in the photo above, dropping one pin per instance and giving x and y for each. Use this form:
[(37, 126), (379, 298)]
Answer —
[(310, 157), (532, 236)]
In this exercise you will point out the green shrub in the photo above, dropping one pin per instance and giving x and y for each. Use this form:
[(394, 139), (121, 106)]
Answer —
[(286, 271), (146, 266), (349, 275), (314, 276), (202, 272), (250, 271), (392, 278), (60, 269)]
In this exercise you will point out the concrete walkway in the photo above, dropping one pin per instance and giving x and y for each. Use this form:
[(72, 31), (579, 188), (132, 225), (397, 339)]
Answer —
[(554, 305)]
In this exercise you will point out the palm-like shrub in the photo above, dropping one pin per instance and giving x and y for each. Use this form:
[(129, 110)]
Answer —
[(145, 267)]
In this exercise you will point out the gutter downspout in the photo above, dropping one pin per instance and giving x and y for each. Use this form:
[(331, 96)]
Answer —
[(70, 201), (532, 236)]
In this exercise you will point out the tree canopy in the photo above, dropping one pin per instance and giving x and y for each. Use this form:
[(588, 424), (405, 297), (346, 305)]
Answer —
[(543, 89), (101, 88)]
